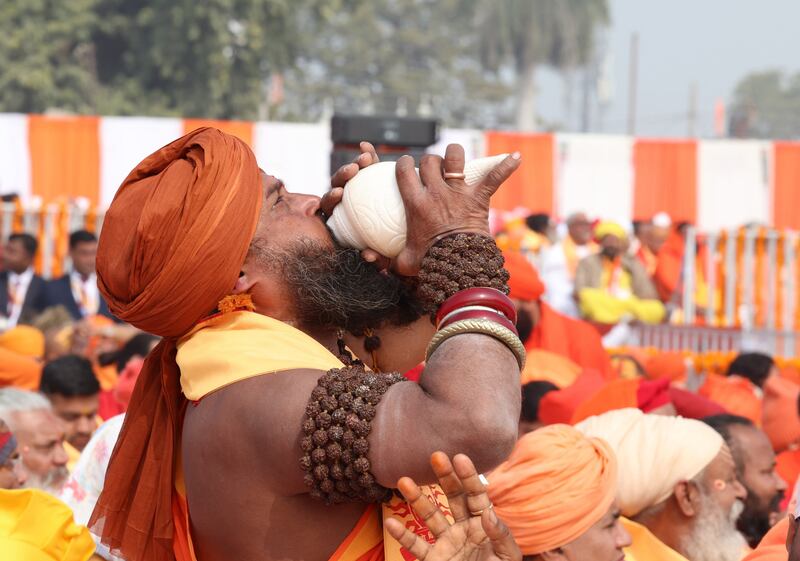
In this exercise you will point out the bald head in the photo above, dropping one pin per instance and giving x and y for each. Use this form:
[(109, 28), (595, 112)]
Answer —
[(579, 228)]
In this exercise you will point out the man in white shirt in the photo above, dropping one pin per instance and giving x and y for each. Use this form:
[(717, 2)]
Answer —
[(559, 262), (21, 290), (78, 291)]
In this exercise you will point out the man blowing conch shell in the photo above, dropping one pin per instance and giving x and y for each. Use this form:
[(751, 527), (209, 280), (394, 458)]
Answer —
[(252, 432)]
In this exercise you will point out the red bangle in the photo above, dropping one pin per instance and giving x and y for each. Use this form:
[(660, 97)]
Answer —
[(479, 296), (496, 317)]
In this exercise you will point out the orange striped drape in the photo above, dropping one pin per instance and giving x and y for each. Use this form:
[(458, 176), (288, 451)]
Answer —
[(665, 179), (65, 157), (242, 129), (532, 185), (786, 185)]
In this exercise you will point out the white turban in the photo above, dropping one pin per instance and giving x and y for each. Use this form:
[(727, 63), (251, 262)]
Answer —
[(654, 453)]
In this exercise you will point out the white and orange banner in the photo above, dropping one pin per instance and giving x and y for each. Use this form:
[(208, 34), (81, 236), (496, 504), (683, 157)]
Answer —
[(711, 183)]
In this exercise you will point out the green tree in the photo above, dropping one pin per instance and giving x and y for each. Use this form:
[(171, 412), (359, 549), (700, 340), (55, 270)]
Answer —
[(523, 35), (46, 55), (386, 56), (766, 105)]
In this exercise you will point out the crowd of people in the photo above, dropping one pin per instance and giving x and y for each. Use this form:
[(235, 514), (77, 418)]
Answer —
[(600, 272), (219, 380)]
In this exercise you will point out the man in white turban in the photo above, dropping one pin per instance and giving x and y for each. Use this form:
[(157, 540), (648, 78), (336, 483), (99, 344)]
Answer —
[(677, 486)]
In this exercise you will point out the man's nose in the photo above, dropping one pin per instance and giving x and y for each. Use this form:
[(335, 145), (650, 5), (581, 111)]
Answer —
[(307, 204)]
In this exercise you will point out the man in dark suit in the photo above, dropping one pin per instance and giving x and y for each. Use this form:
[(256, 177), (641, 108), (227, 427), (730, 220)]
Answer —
[(21, 290), (77, 291)]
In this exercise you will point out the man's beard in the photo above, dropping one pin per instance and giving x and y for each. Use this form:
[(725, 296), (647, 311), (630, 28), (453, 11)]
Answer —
[(336, 289), (754, 521), (51, 483), (714, 536)]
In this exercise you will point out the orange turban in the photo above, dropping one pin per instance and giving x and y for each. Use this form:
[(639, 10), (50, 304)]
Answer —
[(669, 365), (559, 406), (544, 365), (19, 371), (172, 245), (736, 394), (25, 340), (621, 394), (556, 485), (780, 416), (524, 282)]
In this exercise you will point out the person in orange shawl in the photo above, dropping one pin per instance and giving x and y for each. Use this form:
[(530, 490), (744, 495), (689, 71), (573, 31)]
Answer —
[(557, 495), (735, 394), (781, 423), (252, 299), (542, 328)]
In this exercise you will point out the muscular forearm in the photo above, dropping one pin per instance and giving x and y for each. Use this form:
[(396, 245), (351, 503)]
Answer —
[(467, 401)]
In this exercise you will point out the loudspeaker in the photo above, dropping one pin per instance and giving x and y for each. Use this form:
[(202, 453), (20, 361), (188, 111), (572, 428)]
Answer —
[(389, 131)]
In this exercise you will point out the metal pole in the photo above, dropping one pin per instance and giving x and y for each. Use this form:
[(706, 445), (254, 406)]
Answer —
[(689, 263), (8, 220), (49, 240), (711, 277), (749, 286), (633, 72), (790, 291), (772, 278), (730, 280)]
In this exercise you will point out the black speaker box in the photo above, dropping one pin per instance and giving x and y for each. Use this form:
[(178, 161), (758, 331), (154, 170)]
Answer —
[(389, 131)]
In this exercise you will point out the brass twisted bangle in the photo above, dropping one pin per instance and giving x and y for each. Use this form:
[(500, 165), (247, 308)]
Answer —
[(483, 326)]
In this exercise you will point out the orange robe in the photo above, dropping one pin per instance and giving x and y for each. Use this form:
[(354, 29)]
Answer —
[(736, 394), (551, 367), (572, 338), (646, 546), (788, 466), (773, 545)]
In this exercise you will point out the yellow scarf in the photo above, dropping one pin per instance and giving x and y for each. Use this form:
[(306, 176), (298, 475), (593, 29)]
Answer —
[(235, 346)]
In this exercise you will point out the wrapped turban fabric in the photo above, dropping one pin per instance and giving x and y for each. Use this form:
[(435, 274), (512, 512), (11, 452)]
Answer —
[(172, 245), (524, 282), (559, 406), (645, 395), (24, 340), (654, 453), (554, 487)]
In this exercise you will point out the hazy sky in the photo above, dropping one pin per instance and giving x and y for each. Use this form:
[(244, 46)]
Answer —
[(711, 42)]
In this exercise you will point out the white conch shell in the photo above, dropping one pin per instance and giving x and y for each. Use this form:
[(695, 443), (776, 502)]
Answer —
[(371, 214)]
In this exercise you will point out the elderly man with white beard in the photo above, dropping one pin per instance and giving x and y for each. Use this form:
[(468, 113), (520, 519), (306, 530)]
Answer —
[(40, 437), (677, 486)]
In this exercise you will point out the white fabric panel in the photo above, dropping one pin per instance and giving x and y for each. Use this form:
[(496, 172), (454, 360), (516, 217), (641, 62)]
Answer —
[(15, 157), (471, 139), (733, 183), (595, 175), (126, 141), (297, 153)]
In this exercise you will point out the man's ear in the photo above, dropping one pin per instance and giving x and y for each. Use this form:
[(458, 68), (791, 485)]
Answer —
[(687, 496), (243, 284), (553, 555)]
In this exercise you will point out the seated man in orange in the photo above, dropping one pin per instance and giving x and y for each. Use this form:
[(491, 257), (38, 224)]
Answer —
[(257, 307), (542, 328), (613, 286)]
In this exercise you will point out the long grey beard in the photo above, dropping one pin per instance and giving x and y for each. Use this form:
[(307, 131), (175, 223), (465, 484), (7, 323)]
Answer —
[(714, 536), (51, 483)]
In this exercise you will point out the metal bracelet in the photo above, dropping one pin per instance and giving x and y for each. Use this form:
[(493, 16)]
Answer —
[(482, 326)]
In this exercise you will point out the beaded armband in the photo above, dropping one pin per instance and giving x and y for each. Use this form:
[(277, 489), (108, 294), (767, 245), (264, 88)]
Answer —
[(337, 423), (458, 262)]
